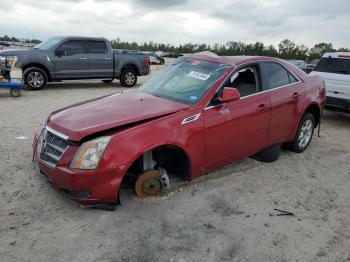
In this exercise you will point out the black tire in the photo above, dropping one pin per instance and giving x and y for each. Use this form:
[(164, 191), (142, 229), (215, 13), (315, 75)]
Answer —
[(268, 155), (161, 62), (108, 81), (296, 145), (14, 92), (128, 77), (34, 78)]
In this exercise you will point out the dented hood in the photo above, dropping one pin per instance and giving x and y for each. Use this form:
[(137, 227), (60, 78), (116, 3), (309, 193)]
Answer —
[(89, 117)]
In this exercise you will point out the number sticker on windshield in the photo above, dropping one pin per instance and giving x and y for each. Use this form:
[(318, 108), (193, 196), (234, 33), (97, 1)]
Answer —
[(198, 75)]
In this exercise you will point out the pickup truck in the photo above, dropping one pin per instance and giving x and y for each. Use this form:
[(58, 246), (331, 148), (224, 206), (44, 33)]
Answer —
[(198, 114), (65, 58)]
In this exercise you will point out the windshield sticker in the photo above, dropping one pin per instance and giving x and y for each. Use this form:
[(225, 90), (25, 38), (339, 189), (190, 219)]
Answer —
[(198, 75), (193, 98), (196, 62)]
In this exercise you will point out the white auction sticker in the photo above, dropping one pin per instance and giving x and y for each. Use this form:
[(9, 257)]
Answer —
[(198, 75)]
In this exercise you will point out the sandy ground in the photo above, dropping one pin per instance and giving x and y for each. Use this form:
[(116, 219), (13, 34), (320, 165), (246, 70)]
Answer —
[(225, 216)]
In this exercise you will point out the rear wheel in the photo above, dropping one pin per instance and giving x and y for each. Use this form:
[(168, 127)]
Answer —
[(128, 77), (35, 78), (304, 134)]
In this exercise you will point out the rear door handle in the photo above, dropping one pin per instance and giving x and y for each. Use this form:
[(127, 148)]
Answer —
[(108, 58), (262, 108), (82, 58)]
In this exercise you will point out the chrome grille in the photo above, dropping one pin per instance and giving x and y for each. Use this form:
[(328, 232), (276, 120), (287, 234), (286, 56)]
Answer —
[(51, 148)]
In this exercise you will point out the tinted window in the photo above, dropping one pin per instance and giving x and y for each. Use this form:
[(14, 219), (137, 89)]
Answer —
[(97, 47), (73, 47), (333, 65), (278, 76)]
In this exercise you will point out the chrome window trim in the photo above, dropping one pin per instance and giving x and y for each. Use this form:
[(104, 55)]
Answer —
[(63, 136), (252, 62)]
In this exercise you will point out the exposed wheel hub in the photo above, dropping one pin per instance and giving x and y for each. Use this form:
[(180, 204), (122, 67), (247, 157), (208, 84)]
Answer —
[(151, 183)]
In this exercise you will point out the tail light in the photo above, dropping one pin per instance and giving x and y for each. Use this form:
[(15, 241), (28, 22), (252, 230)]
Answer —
[(148, 61)]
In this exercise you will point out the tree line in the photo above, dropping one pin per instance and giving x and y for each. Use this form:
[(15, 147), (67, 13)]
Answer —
[(286, 49), (14, 39)]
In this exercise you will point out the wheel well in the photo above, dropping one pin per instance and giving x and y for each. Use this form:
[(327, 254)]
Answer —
[(315, 110), (172, 158), (131, 66), (39, 66)]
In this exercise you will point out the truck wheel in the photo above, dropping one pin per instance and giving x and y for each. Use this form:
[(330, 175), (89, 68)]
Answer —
[(34, 78), (304, 134), (128, 78), (108, 81)]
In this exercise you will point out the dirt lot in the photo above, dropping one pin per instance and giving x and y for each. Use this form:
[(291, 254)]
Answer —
[(224, 216)]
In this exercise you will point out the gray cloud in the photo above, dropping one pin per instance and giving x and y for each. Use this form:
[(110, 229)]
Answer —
[(181, 21)]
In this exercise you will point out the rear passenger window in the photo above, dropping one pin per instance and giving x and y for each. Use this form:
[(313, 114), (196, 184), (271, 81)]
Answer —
[(97, 47), (278, 76)]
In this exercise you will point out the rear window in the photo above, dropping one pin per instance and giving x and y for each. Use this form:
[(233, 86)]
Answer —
[(278, 76), (334, 65), (97, 47)]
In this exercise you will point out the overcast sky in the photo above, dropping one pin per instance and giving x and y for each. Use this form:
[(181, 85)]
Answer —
[(166, 21)]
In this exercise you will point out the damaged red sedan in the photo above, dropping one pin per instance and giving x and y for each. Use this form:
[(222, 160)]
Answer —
[(198, 114)]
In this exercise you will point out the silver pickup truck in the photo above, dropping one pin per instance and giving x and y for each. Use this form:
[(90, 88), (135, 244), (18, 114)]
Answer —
[(67, 58)]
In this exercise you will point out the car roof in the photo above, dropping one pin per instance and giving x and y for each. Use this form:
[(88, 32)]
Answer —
[(231, 60), (337, 55)]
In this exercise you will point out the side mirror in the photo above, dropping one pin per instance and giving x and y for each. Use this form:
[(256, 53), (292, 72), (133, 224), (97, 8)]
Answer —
[(229, 94), (60, 52)]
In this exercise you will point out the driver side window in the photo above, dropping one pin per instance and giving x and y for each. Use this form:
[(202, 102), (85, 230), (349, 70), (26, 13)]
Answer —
[(246, 80), (73, 47)]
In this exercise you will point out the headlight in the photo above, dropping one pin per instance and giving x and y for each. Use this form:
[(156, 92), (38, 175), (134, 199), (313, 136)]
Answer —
[(90, 153)]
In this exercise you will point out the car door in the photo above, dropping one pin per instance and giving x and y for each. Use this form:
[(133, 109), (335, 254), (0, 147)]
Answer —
[(240, 128), (71, 60), (287, 99), (101, 64)]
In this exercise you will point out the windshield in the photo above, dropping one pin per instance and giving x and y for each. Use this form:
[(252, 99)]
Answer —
[(49, 43), (186, 80)]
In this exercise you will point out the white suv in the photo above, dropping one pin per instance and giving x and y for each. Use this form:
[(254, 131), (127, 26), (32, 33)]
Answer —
[(335, 69)]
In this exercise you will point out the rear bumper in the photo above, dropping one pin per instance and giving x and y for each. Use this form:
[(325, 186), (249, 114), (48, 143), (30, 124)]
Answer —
[(338, 104), (86, 187)]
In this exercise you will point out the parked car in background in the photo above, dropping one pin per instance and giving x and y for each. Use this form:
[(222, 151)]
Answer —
[(154, 58), (64, 58), (172, 54), (198, 114), (335, 69), (299, 63), (312, 64)]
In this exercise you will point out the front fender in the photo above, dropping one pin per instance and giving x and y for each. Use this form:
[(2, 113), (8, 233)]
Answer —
[(128, 145)]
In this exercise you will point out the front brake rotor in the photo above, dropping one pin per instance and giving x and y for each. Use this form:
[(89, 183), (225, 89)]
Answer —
[(148, 184)]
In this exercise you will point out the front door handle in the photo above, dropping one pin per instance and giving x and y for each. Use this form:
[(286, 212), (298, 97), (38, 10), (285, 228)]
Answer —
[(262, 107), (82, 58)]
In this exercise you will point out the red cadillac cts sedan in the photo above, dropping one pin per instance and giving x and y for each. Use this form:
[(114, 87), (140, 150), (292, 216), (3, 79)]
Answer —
[(198, 114)]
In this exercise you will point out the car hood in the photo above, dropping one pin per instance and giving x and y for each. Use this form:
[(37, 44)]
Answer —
[(21, 52), (112, 111)]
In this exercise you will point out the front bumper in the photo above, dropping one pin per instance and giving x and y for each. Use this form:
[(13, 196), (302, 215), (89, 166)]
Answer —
[(86, 187), (338, 104)]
